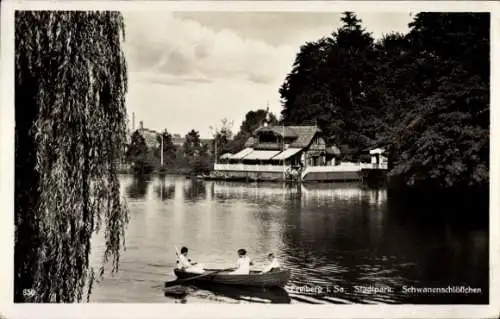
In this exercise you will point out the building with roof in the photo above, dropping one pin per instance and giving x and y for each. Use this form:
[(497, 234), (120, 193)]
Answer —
[(283, 152), (284, 146), (178, 140), (150, 136)]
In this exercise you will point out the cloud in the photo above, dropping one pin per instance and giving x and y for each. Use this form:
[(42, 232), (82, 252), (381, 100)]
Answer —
[(182, 107), (255, 47), (190, 70), (275, 28), (165, 44), (293, 28), (168, 79)]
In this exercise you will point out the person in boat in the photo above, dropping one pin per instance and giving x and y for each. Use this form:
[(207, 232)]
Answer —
[(184, 263), (244, 263), (273, 264)]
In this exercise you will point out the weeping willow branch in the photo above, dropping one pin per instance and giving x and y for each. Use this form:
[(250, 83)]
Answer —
[(71, 81)]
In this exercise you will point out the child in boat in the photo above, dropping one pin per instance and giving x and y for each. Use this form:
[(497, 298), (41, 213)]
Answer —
[(273, 264), (244, 263), (184, 263)]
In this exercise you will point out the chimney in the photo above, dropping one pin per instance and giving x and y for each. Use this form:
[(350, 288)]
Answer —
[(267, 119), (133, 121), (141, 125)]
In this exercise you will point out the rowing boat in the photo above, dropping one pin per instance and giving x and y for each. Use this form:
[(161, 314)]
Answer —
[(277, 278)]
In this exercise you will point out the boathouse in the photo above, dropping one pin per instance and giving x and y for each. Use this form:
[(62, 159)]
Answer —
[(283, 145), (292, 152), (276, 152)]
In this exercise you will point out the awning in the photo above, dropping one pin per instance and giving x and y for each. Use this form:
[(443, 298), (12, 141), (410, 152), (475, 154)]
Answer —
[(261, 155), (241, 153), (287, 154), (377, 151)]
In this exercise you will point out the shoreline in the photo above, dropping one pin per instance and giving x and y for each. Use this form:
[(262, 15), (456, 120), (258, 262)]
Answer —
[(467, 195)]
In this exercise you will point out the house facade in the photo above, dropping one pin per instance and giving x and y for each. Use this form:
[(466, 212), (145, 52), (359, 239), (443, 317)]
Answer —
[(288, 146), (297, 152), (150, 136), (279, 152)]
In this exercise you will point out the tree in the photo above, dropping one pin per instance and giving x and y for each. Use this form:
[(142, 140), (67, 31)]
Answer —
[(329, 83), (70, 133), (444, 141), (325, 80), (200, 165), (139, 154), (253, 120), (196, 154), (169, 149), (424, 95), (192, 144), (222, 135), (308, 76)]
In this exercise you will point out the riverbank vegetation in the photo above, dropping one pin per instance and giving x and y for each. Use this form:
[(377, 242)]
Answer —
[(194, 156), (423, 95)]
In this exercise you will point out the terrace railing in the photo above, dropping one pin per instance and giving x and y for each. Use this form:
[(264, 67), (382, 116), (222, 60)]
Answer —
[(250, 168), (343, 167)]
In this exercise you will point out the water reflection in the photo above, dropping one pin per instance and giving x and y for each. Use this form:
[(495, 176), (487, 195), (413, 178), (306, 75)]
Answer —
[(325, 234), (194, 189), (262, 193), (164, 190), (449, 241), (138, 188), (232, 294)]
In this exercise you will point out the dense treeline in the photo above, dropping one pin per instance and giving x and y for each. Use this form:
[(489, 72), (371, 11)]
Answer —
[(252, 121), (424, 95), (194, 156)]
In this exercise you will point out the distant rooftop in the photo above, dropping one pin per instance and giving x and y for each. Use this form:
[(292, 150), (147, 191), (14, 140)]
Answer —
[(302, 135)]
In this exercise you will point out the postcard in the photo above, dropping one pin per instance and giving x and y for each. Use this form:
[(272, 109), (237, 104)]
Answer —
[(221, 159)]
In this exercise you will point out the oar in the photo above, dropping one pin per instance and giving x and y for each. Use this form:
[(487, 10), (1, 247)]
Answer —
[(183, 281)]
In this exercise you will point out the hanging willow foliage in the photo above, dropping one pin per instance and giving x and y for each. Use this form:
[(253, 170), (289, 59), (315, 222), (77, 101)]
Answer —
[(70, 131)]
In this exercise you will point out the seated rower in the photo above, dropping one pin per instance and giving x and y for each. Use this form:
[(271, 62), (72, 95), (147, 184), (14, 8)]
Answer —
[(273, 264), (243, 263), (184, 263)]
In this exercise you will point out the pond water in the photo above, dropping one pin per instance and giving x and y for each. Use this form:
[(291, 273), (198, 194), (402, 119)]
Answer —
[(343, 244)]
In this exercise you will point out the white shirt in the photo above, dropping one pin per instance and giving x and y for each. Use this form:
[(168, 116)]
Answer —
[(243, 266), (184, 262), (274, 264)]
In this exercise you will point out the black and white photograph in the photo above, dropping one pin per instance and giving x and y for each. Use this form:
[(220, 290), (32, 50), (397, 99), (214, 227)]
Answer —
[(315, 157)]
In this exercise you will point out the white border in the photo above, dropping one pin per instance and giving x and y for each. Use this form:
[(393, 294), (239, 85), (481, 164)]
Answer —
[(9, 310)]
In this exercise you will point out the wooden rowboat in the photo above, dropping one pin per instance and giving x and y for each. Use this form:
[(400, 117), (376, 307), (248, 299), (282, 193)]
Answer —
[(255, 278)]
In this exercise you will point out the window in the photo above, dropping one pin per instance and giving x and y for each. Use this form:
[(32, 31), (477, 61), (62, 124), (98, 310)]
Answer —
[(267, 138)]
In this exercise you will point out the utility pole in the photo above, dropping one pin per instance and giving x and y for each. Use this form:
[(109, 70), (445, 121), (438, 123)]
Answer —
[(161, 151), (215, 155), (283, 147), (215, 131)]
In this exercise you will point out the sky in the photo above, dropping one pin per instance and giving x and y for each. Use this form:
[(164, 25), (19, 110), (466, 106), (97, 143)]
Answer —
[(190, 70)]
